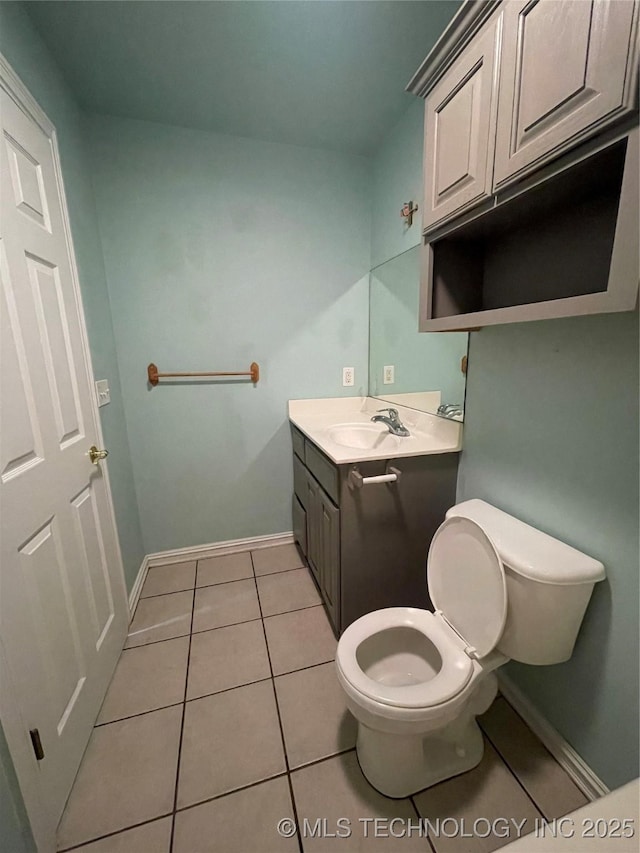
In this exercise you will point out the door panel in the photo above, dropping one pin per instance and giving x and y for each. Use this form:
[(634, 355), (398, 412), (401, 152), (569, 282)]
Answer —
[(63, 605), (330, 557), (563, 77), (21, 445), (460, 124), (54, 333), (94, 564), (314, 554)]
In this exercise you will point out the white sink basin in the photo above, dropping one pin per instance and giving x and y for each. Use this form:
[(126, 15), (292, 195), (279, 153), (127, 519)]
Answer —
[(364, 437)]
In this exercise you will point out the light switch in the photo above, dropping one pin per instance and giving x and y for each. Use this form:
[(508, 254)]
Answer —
[(102, 392)]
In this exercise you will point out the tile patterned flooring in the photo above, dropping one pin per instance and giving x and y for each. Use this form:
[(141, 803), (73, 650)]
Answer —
[(224, 716)]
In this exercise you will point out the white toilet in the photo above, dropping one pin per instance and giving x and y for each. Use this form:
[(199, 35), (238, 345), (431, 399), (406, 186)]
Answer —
[(416, 680)]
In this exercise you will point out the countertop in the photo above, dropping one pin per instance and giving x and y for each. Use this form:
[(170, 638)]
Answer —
[(429, 433)]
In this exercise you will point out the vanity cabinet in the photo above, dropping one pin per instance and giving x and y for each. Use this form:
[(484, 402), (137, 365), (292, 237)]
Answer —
[(366, 546), (530, 163)]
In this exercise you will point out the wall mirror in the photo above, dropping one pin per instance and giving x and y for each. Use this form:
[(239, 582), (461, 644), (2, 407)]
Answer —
[(422, 370)]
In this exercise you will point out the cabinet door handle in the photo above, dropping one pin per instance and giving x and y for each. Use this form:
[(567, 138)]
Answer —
[(392, 476)]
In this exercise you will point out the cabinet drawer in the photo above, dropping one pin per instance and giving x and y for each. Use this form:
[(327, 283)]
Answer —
[(297, 439), (300, 481), (324, 471)]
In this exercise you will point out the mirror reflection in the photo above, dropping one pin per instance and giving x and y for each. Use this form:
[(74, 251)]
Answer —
[(422, 370)]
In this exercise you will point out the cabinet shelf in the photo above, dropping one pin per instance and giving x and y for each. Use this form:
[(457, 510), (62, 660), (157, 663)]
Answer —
[(563, 247)]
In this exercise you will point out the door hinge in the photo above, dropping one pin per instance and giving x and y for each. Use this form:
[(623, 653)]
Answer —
[(37, 744)]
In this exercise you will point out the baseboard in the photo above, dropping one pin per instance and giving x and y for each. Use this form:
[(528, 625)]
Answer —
[(200, 552), (218, 549), (566, 756), (136, 589)]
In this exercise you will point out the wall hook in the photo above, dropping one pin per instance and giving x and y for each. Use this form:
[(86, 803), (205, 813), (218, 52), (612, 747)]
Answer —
[(406, 212)]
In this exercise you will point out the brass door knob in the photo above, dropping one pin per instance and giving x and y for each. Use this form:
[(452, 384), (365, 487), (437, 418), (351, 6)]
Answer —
[(96, 455)]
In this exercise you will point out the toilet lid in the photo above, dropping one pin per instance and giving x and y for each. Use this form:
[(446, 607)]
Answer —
[(466, 582)]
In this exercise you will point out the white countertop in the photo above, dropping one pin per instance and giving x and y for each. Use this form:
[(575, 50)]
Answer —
[(429, 433)]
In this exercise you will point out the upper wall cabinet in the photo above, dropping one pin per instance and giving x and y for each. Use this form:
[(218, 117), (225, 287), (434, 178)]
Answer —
[(460, 131), (531, 163), (564, 74)]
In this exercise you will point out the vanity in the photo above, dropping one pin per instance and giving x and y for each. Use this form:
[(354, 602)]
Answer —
[(365, 538)]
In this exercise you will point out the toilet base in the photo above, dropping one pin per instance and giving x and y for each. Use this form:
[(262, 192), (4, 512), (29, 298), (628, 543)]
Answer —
[(400, 765)]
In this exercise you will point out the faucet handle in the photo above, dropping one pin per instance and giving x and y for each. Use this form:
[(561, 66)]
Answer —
[(392, 412)]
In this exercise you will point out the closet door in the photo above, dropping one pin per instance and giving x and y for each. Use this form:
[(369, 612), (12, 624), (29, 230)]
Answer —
[(565, 73)]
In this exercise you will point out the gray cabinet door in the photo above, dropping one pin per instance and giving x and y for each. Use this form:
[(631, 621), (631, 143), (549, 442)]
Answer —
[(313, 509), (564, 75), (330, 556), (460, 130), (299, 524)]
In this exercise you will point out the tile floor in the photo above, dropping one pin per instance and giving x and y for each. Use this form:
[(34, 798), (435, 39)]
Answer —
[(224, 716)]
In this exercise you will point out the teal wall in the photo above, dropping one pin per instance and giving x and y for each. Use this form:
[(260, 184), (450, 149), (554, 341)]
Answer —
[(551, 436), (220, 251), (397, 177), (25, 51)]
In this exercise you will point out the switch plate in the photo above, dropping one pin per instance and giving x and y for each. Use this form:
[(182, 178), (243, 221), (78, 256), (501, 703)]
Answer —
[(348, 377), (102, 392), (388, 374)]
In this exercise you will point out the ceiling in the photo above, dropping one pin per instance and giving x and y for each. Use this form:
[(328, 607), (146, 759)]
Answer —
[(328, 74)]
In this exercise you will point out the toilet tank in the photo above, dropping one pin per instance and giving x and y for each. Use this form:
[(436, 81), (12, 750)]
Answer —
[(548, 583)]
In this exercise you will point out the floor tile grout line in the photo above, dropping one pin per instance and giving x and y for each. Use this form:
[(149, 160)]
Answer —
[(162, 594), (215, 583), (303, 668), (230, 793), (233, 687), (217, 628), (211, 799), (511, 771), (155, 642), (115, 832), (295, 610), (261, 781), (275, 696), (257, 619), (139, 714), (184, 714), (322, 760), (420, 818)]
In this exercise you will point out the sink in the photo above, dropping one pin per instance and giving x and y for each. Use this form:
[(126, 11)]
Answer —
[(364, 436)]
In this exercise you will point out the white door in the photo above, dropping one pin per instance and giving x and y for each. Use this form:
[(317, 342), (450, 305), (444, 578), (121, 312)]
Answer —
[(63, 607)]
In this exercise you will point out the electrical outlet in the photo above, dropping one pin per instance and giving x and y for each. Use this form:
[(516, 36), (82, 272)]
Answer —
[(388, 374), (102, 392), (348, 377)]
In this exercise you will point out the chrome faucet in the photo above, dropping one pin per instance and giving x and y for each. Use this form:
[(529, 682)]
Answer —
[(393, 421), (450, 410)]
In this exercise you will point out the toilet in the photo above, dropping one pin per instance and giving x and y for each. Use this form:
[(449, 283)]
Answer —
[(416, 680)]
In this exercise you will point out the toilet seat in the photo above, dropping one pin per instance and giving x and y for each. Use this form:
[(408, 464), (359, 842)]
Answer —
[(454, 674), (467, 583)]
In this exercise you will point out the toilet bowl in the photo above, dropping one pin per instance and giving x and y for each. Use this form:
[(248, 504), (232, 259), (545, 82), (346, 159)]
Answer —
[(415, 680)]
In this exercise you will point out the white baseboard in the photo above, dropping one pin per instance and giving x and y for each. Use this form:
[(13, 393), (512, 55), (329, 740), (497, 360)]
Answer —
[(136, 589), (566, 756), (200, 552)]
